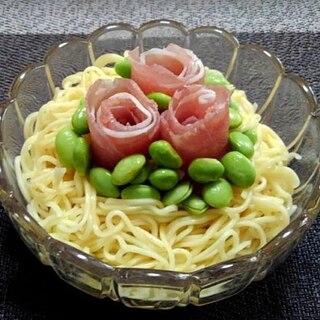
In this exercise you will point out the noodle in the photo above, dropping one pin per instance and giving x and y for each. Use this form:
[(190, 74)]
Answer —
[(143, 233)]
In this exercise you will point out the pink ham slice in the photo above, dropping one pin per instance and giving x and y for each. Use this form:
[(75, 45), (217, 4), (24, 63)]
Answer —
[(197, 122), (165, 70), (121, 119)]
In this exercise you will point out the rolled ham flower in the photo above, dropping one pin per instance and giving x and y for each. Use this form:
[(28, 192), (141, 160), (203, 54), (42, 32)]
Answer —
[(121, 119), (197, 122), (165, 70)]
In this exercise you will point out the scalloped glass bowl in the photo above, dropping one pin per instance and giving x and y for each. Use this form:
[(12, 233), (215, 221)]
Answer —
[(285, 102)]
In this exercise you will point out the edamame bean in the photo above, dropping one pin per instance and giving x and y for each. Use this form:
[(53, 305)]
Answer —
[(215, 77), (79, 119), (127, 169), (161, 99), (64, 144), (195, 204), (81, 156), (238, 169), (140, 191), (233, 104), (100, 178), (142, 175), (235, 118), (163, 154), (164, 179), (205, 170), (123, 68), (240, 142), (252, 135), (179, 193), (218, 194)]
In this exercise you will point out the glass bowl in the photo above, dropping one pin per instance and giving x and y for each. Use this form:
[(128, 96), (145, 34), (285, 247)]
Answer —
[(285, 102)]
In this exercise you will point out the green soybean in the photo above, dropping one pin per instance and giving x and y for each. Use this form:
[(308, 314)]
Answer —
[(195, 204), (235, 118), (205, 170), (252, 135), (163, 154), (178, 194), (140, 191), (233, 104), (79, 119), (127, 169), (143, 174), (240, 142), (161, 99), (100, 178), (123, 68), (64, 144), (164, 179), (218, 194), (215, 77), (81, 156), (238, 169)]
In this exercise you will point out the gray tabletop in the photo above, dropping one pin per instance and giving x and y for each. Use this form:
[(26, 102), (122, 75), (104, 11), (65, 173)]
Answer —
[(29, 290), (84, 16)]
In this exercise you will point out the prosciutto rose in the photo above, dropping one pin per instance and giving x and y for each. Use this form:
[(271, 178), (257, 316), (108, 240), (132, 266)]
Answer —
[(121, 119), (165, 70), (197, 122)]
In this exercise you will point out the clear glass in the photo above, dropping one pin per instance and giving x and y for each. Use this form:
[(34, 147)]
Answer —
[(285, 102)]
